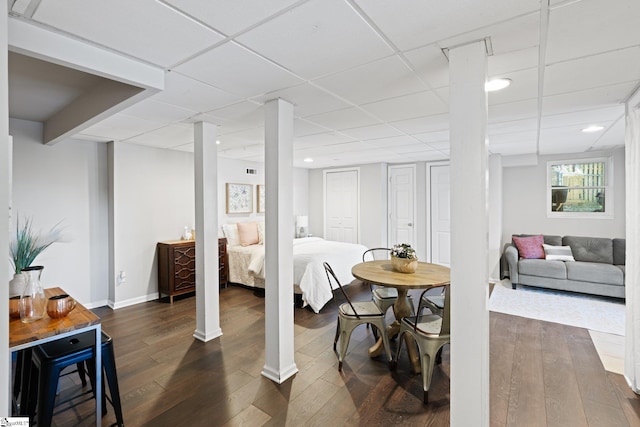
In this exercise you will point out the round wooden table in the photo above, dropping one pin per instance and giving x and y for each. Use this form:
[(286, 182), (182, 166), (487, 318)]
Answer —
[(380, 273)]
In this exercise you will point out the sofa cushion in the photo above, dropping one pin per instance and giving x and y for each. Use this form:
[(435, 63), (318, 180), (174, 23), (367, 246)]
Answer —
[(558, 253), (529, 247), (548, 239), (595, 272), (590, 249), (619, 250), (542, 268)]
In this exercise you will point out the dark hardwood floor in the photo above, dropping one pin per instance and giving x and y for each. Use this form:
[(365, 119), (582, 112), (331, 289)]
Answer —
[(542, 374)]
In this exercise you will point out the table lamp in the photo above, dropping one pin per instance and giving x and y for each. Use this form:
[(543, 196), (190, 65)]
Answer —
[(302, 223)]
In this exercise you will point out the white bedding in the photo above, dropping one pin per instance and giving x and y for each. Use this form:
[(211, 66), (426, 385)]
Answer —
[(308, 272)]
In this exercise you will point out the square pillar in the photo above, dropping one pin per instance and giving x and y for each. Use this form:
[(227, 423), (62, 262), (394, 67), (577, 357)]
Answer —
[(205, 157), (279, 233), (469, 242)]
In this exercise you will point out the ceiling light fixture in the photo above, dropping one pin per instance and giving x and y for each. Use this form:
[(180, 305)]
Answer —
[(496, 84), (592, 128), (218, 142), (308, 160)]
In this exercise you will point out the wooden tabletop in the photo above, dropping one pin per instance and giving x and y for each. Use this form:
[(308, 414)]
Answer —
[(22, 333), (380, 273)]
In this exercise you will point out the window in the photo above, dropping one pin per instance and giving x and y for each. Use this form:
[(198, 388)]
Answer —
[(580, 188)]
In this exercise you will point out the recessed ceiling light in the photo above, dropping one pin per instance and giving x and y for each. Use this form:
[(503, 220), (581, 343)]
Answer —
[(496, 84), (218, 142), (593, 128), (308, 160)]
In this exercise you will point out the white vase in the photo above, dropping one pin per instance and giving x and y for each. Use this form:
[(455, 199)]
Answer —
[(16, 285)]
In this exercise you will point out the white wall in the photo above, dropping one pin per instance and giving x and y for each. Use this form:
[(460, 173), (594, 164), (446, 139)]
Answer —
[(154, 200), (524, 201), (373, 205), (65, 182)]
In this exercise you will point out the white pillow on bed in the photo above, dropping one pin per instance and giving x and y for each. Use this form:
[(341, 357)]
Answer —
[(231, 233)]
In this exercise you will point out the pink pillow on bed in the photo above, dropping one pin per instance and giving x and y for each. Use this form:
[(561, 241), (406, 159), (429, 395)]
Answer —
[(248, 233), (530, 247)]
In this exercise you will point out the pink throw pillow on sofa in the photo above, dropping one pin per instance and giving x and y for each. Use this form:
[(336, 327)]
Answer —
[(530, 247)]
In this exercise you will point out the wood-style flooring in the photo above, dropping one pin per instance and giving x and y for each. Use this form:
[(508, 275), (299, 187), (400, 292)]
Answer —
[(542, 374)]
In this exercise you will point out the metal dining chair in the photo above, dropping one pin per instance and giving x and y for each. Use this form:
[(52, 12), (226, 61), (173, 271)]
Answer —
[(431, 333), (352, 314), (434, 302)]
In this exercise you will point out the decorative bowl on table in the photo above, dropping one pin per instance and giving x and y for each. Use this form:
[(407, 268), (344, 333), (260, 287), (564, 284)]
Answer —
[(404, 258)]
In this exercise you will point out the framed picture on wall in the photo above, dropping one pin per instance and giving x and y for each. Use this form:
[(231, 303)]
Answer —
[(239, 198), (260, 198)]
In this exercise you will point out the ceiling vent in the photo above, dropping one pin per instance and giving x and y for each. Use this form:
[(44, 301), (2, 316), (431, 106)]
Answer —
[(252, 171)]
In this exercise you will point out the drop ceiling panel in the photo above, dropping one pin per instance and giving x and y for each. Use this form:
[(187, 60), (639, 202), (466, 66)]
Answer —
[(587, 117), (513, 138), (430, 64), (513, 149), (237, 70), (423, 124), (307, 99), (153, 110), (594, 71), (426, 156), (524, 85), (513, 111), (244, 114), (120, 126), (372, 132), (343, 119), (166, 137), (415, 148), (499, 65), (231, 17), (321, 37), (433, 137), (420, 22), (515, 34), (321, 140), (347, 147), (416, 105), (513, 126), (589, 27), (394, 142), (302, 127), (612, 137), (145, 29), (188, 93), (386, 78), (569, 136), (588, 99)]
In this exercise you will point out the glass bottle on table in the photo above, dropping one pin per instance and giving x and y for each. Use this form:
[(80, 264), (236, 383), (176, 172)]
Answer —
[(33, 301)]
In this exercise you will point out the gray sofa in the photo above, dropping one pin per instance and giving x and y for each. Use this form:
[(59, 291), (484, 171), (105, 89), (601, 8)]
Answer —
[(599, 266)]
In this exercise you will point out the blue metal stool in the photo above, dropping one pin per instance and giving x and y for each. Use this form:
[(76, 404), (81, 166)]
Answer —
[(51, 358)]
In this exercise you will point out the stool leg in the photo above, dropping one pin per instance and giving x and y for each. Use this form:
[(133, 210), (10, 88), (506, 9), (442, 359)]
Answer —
[(109, 363), (48, 385), (24, 379), (81, 373), (91, 368)]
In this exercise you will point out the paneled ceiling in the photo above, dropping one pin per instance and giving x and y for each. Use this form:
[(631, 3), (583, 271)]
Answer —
[(368, 78)]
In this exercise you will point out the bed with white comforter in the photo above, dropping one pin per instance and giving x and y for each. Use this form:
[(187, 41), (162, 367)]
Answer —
[(246, 266)]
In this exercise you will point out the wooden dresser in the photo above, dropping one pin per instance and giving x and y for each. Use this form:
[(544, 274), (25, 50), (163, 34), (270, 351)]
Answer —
[(177, 266)]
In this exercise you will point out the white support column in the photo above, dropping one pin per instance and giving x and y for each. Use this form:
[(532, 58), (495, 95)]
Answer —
[(469, 243), (205, 157), (495, 217), (5, 203), (279, 350), (632, 264)]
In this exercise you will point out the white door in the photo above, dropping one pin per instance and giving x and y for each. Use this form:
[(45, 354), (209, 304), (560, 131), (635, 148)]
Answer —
[(402, 205), (341, 206), (440, 226)]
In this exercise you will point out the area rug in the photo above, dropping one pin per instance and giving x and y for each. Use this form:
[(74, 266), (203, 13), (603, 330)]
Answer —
[(583, 311)]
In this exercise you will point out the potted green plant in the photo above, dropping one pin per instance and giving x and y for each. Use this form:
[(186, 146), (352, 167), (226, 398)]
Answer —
[(24, 249), (404, 258)]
